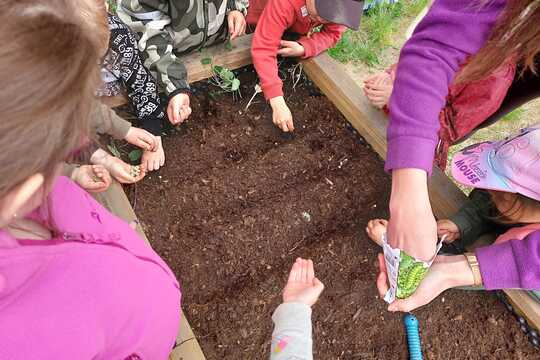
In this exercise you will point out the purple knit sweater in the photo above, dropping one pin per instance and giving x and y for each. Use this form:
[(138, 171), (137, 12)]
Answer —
[(452, 30)]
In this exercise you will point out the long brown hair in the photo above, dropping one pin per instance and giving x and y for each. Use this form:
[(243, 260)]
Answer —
[(517, 33), (49, 73)]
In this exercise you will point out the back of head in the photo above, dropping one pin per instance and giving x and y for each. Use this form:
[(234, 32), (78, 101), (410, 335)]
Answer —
[(49, 71)]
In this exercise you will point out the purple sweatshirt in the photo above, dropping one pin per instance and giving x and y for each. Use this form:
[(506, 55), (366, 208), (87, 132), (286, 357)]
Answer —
[(452, 30)]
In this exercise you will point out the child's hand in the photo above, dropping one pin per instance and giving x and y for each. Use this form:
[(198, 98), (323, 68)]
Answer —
[(281, 115), (178, 109), (153, 160), (92, 178), (141, 138), (291, 49), (446, 272), (237, 24), (375, 229), (124, 173), (448, 228), (302, 286)]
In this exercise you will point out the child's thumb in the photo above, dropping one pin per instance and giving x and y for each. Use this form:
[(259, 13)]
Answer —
[(318, 284)]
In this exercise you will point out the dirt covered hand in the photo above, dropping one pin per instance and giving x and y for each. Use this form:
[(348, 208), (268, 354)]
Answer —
[(153, 160), (237, 24), (179, 109), (302, 285), (92, 178), (446, 272), (141, 138), (291, 49), (448, 229), (281, 114)]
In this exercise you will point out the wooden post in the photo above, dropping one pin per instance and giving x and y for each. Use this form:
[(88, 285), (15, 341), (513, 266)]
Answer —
[(446, 198)]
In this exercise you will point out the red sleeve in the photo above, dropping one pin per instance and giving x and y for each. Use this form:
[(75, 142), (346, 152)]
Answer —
[(278, 15), (321, 41)]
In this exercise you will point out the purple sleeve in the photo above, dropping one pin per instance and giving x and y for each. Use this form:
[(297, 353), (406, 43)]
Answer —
[(513, 264), (452, 30)]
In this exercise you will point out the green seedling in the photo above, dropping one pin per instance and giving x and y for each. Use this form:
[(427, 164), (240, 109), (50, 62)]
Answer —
[(410, 275), (135, 155), (228, 45), (226, 80), (206, 61)]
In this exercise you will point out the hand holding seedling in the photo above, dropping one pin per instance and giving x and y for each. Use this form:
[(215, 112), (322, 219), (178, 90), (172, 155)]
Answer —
[(141, 138), (281, 115), (291, 49), (92, 178), (124, 173), (446, 272), (237, 24), (447, 229), (302, 285), (179, 109)]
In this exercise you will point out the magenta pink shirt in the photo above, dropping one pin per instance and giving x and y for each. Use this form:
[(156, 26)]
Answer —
[(95, 291)]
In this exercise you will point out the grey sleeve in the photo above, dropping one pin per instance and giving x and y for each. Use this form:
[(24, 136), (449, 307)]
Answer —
[(103, 120), (291, 338), (471, 217)]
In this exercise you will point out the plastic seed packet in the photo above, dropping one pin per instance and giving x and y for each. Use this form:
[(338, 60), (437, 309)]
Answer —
[(405, 273)]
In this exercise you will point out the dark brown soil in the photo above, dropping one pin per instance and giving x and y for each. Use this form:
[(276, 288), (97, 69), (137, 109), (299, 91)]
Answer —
[(238, 201)]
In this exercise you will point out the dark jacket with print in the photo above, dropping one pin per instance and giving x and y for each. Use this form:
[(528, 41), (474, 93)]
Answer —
[(168, 29)]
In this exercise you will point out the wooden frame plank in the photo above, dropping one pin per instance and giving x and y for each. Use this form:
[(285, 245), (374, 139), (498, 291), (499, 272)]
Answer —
[(233, 58), (116, 201), (446, 198)]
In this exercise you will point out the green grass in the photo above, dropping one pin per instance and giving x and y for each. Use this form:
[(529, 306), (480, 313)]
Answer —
[(376, 31), (112, 6)]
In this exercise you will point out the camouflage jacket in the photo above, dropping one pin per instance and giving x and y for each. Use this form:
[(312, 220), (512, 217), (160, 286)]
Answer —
[(168, 29)]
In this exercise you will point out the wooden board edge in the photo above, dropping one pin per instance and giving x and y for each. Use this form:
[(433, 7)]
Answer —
[(446, 197), (526, 306), (116, 201)]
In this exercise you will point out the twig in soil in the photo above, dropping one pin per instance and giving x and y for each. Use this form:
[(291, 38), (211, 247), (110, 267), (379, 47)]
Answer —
[(134, 196), (258, 90), (357, 314), (296, 246), (296, 74)]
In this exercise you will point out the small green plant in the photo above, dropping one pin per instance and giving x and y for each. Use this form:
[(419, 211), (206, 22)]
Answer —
[(135, 155), (226, 80)]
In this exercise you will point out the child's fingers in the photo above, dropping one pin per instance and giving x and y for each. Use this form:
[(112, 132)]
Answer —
[(310, 271), (304, 276)]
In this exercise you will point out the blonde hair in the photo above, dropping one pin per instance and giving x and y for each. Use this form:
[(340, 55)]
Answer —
[(49, 72)]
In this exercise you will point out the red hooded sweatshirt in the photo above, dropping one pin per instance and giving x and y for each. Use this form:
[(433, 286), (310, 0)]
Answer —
[(273, 18)]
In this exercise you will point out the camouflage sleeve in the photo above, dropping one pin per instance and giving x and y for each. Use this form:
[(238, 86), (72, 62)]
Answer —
[(240, 5), (155, 43)]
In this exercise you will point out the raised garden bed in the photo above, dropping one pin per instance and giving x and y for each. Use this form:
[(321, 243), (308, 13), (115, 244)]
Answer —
[(238, 201)]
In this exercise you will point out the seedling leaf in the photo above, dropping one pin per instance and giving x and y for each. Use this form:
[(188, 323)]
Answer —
[(135, 155), (206, 61), (235, 85)]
